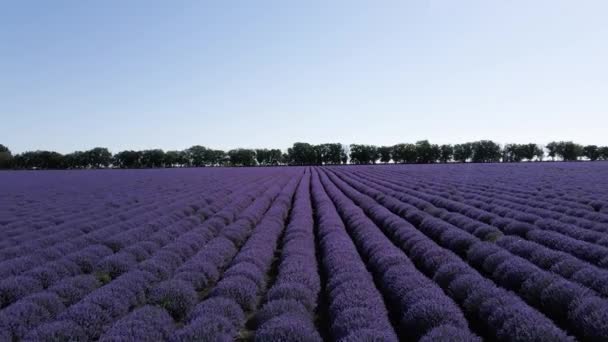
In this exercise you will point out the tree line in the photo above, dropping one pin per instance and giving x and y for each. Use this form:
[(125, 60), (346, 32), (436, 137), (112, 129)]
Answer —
[(300, 153)]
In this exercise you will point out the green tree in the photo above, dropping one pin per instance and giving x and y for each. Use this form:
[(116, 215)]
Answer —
[(284, 158), (274, 156), (38, 160), (196, 155), (463, 152), (435, 153), (76, 160), (529, 151), (183, 159), (268, 157), (552, 148), (363, 154), (172, 158), (404, 153), (510, 153), (153, 158), (357, 154), (485, 151), (385, 153), (372, 152), (262, 156), (539, 152), (242, 157), (98, 157), (447, 152), (320, 154), (216, 157), (331, 153), (603, 152), (6, 157), (424, 152), (302, 154), (592, 152), (127, 159), (569, 151), (519, 152)]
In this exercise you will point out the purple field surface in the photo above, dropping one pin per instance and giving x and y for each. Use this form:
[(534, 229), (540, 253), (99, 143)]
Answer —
[(492, 252)]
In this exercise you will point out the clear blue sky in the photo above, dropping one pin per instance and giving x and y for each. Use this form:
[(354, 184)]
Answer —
[(170, 74)]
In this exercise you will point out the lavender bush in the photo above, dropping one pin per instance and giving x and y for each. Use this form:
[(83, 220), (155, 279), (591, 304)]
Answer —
[(354, 253)]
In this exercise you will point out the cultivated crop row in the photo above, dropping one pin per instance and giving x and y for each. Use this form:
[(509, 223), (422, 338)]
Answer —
[(365, 253)]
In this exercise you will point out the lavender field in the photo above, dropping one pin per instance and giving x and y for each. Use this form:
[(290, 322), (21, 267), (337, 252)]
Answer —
[(492, 252)]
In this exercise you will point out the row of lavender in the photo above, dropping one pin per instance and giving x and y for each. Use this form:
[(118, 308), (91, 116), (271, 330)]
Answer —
[(553, 259), (77, 286), (420, 253)]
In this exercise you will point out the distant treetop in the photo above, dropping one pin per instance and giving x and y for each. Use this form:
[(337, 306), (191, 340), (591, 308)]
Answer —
[(301, 153)]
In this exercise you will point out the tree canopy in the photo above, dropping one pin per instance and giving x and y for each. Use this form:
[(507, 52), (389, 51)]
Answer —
[(463, 152), (242, 157), (5, 157), (363, 154), (301, 153), (446, 153), (386, 153)]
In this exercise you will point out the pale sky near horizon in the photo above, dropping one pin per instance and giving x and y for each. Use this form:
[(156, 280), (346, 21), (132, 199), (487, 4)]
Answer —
[(171, 74)]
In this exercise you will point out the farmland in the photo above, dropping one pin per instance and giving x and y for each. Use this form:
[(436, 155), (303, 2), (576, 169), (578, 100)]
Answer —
[(492, 252)]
